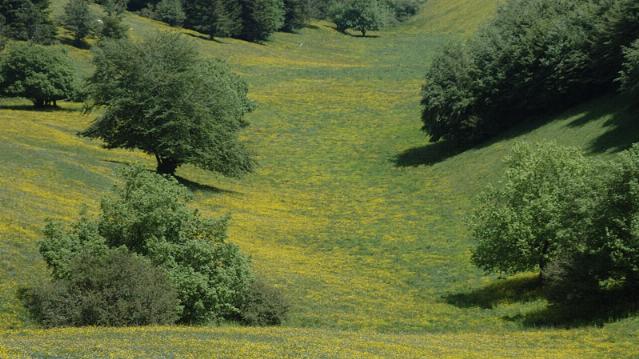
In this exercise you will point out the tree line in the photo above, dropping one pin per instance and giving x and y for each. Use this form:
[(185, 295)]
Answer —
[(535, 56)]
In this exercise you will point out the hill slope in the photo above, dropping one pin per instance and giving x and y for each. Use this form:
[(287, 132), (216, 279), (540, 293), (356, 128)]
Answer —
[(350, 212)]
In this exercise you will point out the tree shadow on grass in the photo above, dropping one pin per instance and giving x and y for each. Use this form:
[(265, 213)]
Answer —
[(82, 45), (597, 311), (195, 186), (520, 289), (622, 123), (32, 108), (427, 155), (622, 126)]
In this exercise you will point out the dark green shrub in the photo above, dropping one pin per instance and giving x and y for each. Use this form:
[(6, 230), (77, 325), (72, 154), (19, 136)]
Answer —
[(39, 73), (109, 288), (264, 305), (149, 216)]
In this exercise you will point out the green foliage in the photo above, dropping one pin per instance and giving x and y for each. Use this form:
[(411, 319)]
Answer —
[(160, 97), (149, 216), (106, 288), (629, 75), (360, 15), (112, 28), (264, 305), (535, 212), (574, 218), (79, 19), (169, 11), (41, 74), (26, 20), (614, 237), (261, 18), (297, 13), (535, 56)]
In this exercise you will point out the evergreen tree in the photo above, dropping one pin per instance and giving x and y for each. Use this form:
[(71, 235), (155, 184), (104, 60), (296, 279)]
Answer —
[(26, 20), (297, 13), (79, 19), (261, 18)]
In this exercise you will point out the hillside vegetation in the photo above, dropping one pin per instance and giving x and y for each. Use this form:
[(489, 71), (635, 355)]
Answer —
[(350, 211)]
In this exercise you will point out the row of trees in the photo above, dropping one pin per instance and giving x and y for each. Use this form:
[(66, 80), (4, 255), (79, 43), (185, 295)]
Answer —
[(29, 20), (536, 56), (571, 217), (148, 258), (253, 20)]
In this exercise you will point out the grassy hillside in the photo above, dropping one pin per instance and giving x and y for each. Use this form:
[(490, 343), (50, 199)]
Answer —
[(351, 212)]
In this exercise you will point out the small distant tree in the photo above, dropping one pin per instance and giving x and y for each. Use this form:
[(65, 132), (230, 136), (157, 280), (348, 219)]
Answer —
[(261, 18), (170, 12), (360, 15), (297, 13), (111, 27), (79, 19), (26, 20), (39, 73), (160, 97), (536, 211)]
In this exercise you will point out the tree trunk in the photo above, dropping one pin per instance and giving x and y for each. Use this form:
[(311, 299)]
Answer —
[(166, 166), (542, 260), (363, 32)]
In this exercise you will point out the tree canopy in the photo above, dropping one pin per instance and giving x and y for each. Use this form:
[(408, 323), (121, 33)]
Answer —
[(39, 73), (360, 15), (149, 216), (161, 97), (26, 20), (79, 19), (536, 56)]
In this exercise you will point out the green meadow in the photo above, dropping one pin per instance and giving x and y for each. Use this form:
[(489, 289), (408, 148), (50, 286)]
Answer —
[(351, 212)]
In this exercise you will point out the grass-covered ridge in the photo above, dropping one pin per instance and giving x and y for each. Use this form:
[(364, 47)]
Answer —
[(350, 212)]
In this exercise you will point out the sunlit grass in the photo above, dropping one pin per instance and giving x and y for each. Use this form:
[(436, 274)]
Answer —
[(350, 212)]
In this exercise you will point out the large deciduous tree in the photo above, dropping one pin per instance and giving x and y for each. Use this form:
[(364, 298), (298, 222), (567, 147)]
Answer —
[(162, 98)]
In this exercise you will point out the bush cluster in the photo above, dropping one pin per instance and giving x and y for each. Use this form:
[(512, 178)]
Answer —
[(536, 56), (148, 258), (39, 73), (574, 218)]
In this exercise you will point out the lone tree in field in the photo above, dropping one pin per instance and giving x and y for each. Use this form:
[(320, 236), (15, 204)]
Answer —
[(535, 212), (79, 19), (360, 15), (162, 98), (39, 73)]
